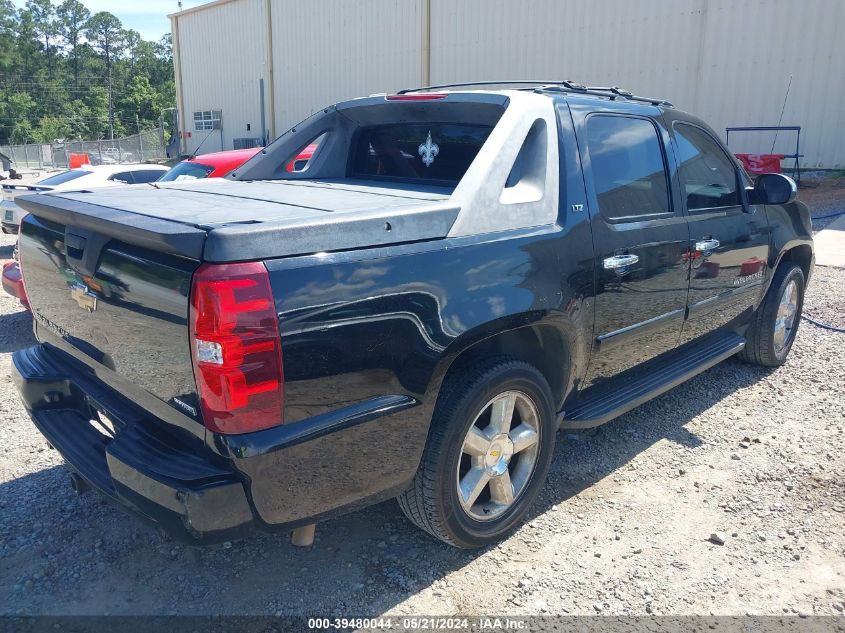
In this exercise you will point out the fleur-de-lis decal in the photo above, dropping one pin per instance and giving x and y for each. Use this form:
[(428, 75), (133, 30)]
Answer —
[(428, 150)]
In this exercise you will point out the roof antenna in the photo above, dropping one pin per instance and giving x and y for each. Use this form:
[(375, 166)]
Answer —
[(180, 4), (199, 147)]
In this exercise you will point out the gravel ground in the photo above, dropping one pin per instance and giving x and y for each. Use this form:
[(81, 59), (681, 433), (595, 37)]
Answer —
[(749, 456), (824, 193)]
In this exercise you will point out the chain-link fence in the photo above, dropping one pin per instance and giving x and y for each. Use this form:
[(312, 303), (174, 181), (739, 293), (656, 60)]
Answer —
[(148, 145)]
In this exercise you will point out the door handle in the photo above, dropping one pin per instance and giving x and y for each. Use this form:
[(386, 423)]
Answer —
[(707, 245), (620, 261)]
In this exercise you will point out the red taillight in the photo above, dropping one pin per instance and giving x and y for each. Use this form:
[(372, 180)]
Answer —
[(236, 348), (417, 96)]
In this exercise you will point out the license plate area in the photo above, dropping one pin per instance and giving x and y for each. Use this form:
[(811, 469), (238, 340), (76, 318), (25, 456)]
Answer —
[(99, 419)]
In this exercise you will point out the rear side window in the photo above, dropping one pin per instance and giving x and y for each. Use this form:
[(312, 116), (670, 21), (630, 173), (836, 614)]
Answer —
[(708, 176), (124, 177), (438, 152), (146, 175), (629, 172), (65, 176), (187, 171)]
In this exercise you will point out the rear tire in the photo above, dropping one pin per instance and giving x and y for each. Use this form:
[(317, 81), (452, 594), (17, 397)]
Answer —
[(489, 449), (772, 331)]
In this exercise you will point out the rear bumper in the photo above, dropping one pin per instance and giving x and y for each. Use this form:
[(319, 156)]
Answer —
[(151, 474), (205, 492)]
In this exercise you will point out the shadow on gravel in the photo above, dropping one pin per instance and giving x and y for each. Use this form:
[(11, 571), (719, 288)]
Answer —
[(7, 251), (87, 557), (16, 331)]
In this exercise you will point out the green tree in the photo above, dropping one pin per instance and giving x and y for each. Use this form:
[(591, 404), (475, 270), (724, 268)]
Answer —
[(45, 24), (29, 58), (15, 110), (67, 74), (8, 26), (105, 33), (22, 132), (52, 128), (72, 16), (97, 102), (78, 121), (164, 48), (132, 44)]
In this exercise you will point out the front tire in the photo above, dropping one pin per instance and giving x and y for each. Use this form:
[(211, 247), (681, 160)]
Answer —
[(491, 443), (775, 323)]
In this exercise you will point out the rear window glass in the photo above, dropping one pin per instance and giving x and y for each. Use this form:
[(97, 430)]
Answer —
[(65, 176), (439, 152), (187, 171)]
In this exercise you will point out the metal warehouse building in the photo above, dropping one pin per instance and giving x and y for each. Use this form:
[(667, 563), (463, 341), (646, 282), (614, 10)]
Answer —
[(251, 69)]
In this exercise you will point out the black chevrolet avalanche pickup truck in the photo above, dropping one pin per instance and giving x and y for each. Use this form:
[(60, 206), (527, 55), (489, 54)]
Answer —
[(455, 274)]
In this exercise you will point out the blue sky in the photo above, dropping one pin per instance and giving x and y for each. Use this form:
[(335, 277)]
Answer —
[(148, 17)]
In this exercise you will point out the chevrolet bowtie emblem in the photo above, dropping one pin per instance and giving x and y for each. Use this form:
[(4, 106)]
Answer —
[(86, 299)]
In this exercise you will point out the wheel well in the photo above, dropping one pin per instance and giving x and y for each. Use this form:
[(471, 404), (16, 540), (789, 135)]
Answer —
[(802, 256), (539, 345)]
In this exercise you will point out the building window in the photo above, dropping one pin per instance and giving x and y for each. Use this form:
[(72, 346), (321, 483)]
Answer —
[(207, 120)]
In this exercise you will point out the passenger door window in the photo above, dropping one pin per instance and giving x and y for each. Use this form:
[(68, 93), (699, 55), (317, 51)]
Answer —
[(629, 171), (124, 176), (708, 176)]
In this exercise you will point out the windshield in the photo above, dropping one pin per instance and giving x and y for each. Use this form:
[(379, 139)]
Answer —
[(65, 176), (187, 171)]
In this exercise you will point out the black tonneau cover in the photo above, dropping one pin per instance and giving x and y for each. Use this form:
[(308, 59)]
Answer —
[(221, 220)]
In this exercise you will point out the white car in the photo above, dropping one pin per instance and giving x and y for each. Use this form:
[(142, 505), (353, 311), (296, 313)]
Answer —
[(85, 177)]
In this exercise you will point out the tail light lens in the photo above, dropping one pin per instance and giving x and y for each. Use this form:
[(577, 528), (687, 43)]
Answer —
[(236, 348)]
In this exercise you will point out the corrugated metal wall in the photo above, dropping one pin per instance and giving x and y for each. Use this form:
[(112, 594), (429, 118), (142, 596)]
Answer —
[(729, 62), (726, 61), (325, 51), (222, 51)]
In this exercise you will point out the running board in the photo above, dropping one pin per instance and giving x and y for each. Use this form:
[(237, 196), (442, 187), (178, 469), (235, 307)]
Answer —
[(611, 399)]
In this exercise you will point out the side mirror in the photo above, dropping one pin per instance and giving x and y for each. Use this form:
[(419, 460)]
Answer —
[(773, 189)]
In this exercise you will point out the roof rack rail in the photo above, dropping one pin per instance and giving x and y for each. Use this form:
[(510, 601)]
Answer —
[(536, 83), (628, 95), (613, 92)]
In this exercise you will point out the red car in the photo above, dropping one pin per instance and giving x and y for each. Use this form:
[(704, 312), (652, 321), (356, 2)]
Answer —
[(219, 164), (13, 281), (214, 165)]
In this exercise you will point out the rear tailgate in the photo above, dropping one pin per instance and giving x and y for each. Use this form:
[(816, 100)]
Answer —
[(115, 299)]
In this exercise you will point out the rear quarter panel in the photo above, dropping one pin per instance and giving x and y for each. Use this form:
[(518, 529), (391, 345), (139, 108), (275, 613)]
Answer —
[(366, 324), (364, 327)]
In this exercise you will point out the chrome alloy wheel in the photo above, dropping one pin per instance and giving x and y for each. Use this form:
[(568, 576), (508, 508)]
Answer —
[(498, 455), (785, 320)]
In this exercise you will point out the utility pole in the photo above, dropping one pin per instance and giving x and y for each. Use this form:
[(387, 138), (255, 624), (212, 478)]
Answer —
[(111, 101), (140, 142)]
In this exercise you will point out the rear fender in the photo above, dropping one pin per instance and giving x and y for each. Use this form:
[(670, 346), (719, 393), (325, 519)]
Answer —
[(548, 340)]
